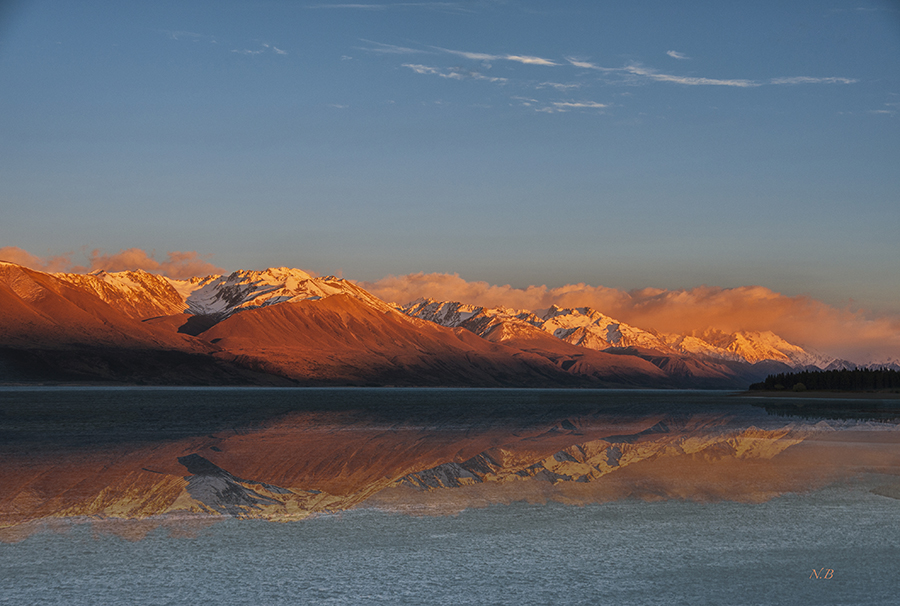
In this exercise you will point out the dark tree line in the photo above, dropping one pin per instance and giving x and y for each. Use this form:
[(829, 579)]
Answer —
[(858, 379)]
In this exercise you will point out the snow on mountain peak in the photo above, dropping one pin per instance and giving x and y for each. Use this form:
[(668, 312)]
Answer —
[(248, 289), (592, 329), (138, 293)]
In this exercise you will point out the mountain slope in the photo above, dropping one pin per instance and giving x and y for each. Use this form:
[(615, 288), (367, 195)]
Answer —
[(340, 339), (286, 326), (242, 290), (591, 329)]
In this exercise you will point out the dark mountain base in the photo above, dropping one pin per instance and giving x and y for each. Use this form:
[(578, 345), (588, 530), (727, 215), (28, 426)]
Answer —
[(92, 365)]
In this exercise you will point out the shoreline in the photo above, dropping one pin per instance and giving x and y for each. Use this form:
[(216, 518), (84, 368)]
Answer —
[(836, 395)]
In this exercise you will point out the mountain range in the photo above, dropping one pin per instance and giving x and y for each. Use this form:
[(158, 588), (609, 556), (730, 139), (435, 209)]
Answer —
[(284, 326)]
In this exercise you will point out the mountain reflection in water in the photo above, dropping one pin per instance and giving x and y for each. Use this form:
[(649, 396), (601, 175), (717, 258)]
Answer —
[(179, 456)]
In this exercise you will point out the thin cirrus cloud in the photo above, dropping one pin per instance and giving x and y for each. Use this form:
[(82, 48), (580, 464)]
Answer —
[(809, 80), (259, 51), (452, 6), (556, 107), (579, 105), (452, 74), (525, 59), (559, 86), (677, 55), (651, 74), (192, 36), (844, 333), (389, 49)]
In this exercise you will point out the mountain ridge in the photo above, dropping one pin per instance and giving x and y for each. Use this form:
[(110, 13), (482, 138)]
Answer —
[(288, 326)]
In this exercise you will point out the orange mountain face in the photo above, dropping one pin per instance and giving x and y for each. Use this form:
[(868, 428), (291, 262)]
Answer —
[(283, 326)]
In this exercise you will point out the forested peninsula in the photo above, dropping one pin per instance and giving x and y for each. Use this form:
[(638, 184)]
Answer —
[(857, 379)]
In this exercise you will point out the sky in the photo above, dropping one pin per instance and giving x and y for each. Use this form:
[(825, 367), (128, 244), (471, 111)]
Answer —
[(621, 145)]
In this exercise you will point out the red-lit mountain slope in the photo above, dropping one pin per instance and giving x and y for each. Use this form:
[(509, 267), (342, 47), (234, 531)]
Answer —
[(341, 339), (285, 326)]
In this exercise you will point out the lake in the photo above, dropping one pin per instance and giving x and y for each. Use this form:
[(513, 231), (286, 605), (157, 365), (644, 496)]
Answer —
[(382, 496)]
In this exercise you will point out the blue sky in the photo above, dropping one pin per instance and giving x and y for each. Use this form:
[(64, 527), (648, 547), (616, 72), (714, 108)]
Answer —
[(638, 144)]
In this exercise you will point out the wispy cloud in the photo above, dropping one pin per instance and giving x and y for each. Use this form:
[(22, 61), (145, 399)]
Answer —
[(809, 80), (564, 105), (367, 7), (588, 65), (452, 74), (389, 49), (688, 80), (651, 74), (559, 86), (526, 59), (677, 55), (558, 107), (192, 36), (259, 51), (451, 6)]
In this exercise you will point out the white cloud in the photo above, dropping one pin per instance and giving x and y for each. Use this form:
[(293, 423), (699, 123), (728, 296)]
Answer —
[(370, 7), (558, 107), (452, 74), (690, 81), (651, 74), (193, 36), (808, 80), (589, 65), (389, 49), (452, 6), (526, 59), (558, 86), (563, 105), (265, 47)]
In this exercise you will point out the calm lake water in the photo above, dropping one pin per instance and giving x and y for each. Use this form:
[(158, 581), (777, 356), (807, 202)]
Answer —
[(660, 550)]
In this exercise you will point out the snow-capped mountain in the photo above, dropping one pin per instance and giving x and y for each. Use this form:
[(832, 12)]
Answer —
[(592, 329), (137, 293), (291, 325), (496, 323), (748, 346), (240, 290)]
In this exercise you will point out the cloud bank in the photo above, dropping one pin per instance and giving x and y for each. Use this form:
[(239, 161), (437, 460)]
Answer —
[(14, 254), (844, 333), (177, 264)]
